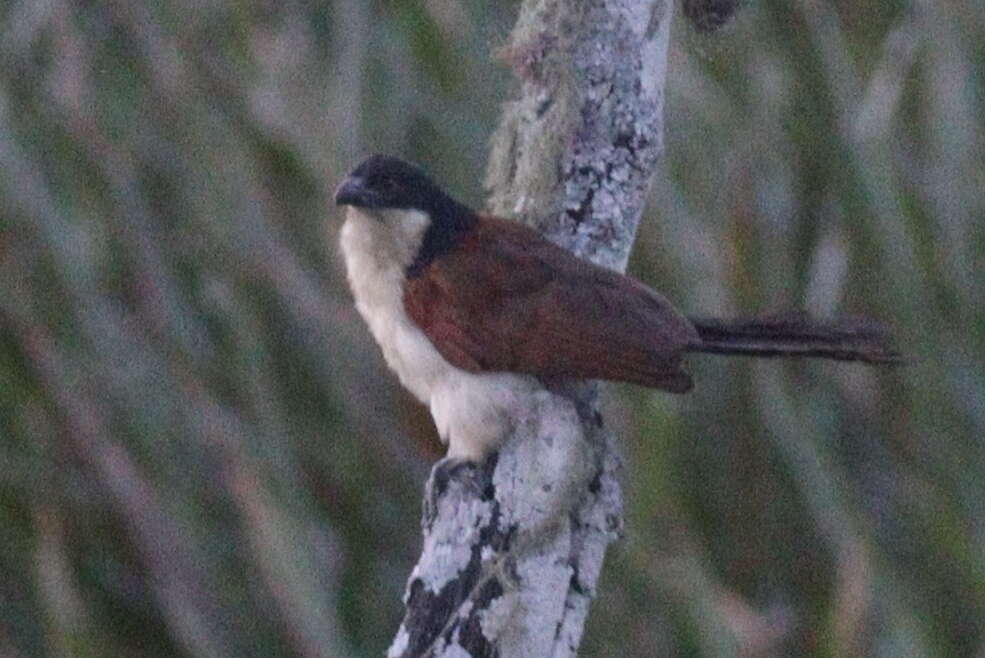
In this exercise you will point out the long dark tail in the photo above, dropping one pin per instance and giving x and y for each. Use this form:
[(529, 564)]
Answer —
[(850, 339)]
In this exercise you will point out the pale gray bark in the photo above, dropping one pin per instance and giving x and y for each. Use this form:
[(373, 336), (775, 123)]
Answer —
[(513, 548)]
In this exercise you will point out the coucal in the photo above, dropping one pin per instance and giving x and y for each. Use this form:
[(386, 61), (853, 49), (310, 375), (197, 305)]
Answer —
[(475, 312)]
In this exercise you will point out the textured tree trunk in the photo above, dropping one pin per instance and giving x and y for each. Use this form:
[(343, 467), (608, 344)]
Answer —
[(513, 548)]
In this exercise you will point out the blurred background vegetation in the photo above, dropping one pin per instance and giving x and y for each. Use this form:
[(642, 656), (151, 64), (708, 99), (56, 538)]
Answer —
[(201, 452)]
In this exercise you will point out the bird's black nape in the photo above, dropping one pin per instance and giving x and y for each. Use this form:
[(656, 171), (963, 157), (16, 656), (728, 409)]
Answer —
[(383, 182)]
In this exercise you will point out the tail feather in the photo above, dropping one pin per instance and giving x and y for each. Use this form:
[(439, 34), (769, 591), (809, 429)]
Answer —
[(794, 335)]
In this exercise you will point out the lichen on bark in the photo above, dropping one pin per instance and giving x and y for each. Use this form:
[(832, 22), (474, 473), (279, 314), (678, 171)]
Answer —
[(513, 547)]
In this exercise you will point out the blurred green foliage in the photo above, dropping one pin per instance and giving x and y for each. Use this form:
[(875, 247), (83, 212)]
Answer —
[(201, 452)]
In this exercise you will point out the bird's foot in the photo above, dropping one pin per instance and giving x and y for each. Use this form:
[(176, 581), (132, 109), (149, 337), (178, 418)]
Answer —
[(468, 475)]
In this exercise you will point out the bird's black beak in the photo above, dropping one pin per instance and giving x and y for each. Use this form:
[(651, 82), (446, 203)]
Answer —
[(354, 192)]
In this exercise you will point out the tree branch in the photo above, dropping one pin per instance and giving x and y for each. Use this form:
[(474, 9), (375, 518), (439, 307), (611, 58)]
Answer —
[(513, 548)]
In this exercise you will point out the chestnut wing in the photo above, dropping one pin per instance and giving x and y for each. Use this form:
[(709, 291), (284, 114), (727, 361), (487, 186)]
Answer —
[(506, 299)]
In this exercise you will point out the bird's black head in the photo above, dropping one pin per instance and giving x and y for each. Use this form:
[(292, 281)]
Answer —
[(383, 182)]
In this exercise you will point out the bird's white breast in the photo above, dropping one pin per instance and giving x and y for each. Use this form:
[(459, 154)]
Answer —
[(470, 410)]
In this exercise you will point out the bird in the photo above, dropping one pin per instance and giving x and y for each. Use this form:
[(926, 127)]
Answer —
[(474, 313)]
